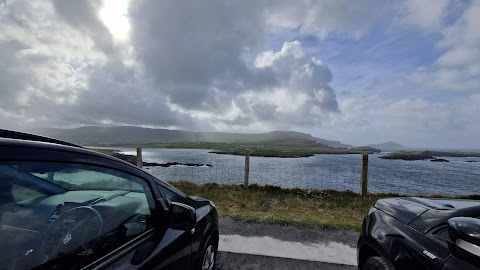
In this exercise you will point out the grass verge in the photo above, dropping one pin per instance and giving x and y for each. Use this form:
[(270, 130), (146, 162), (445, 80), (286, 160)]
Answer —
[(274, 205)]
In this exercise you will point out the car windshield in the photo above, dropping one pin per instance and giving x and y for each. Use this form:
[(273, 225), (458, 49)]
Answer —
[(73, 177), (82, 179)]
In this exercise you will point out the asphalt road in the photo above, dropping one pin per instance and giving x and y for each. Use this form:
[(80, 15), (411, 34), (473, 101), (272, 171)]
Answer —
[(326, 249), (234, 261), (230, 226)]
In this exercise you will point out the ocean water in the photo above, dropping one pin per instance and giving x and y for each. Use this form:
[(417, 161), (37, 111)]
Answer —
[(339, 172)]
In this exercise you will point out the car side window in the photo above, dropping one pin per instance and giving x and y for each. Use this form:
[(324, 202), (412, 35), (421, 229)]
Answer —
[(170, 196), (66, 215)]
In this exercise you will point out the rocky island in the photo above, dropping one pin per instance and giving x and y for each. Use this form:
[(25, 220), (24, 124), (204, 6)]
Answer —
[(133, 159), (428, 155)]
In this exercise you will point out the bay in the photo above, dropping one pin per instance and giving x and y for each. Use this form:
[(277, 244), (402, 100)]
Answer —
[(339, 172)]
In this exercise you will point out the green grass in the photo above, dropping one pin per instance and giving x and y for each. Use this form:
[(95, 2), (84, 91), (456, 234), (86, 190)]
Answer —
[(291, 148), (421, 155), (275, 205), (285, 148)]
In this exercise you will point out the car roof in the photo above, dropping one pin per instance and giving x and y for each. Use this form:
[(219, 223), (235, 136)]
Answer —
[(40, 145), (10, 134)]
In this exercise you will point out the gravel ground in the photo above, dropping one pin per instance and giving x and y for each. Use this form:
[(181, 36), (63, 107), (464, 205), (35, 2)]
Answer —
[(230, 226), (233, 261)]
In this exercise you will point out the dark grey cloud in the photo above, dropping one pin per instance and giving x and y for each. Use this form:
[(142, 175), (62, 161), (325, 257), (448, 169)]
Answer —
[(12, 76), (195, 41), (194, 49)]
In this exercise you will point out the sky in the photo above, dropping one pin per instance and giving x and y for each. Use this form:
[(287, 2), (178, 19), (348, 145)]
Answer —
[(356, 71)]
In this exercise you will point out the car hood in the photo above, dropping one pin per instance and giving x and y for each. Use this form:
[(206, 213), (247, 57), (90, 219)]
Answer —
[(402, 209), (423, 214)]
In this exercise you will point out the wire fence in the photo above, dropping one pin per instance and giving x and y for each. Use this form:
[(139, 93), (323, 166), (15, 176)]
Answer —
[(422, 177)]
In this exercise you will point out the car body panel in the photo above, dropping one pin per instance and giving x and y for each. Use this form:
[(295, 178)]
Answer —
[(405, 231)]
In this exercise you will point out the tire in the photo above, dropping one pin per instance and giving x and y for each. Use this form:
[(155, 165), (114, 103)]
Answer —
[(209, 257), (376, 263)]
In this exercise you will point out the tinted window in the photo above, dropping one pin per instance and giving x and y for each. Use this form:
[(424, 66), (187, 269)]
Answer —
[(66, 215)]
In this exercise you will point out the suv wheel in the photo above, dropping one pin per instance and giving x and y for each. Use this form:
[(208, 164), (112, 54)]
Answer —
[(376, 263)]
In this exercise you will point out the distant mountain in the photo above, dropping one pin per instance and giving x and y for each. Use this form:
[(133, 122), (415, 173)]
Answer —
[(388, 146), (130, 135)]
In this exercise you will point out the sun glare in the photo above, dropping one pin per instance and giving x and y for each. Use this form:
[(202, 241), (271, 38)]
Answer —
[(114, 15)]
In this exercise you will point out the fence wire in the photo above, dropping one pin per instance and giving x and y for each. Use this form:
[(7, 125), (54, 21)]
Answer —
[(392, 176)]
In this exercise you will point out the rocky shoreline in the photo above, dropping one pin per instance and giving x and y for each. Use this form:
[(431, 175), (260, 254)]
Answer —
[(133, 159), (435, 159)]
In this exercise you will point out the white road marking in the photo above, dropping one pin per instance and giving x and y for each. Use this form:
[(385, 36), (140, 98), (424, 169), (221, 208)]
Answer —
[(330, 252)]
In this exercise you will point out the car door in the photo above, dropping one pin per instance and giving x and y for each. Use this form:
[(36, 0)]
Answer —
[(454, 263), (170, 199), (135, 225), (168, 249), (205, 224), (441, 235)]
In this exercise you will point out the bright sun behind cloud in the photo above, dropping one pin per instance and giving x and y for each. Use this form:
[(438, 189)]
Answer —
[(114, 15)]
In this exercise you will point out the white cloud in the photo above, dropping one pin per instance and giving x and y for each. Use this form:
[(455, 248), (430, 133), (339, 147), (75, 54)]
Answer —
[(426, 14), (409, 121), (324, 18), (300, 96), (60, 67), (289, 49), (303, 90), (32, 69), (458, 67)]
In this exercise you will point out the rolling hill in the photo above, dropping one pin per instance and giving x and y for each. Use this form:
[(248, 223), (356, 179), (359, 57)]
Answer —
[(388, 146), (130, 135)]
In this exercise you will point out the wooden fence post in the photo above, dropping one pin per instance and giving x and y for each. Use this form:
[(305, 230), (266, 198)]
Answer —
[(247, 168), (139, 157), (364, 176)]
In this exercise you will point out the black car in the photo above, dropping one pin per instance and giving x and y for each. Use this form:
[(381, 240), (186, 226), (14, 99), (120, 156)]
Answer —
[(417, 233), (66, 207)]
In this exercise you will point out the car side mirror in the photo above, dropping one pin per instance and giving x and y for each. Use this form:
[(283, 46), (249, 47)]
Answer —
[(183, 216), (464, 240)]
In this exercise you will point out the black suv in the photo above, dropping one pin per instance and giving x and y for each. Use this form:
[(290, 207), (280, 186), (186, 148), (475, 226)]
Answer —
[(66, 207), (417, 233)]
